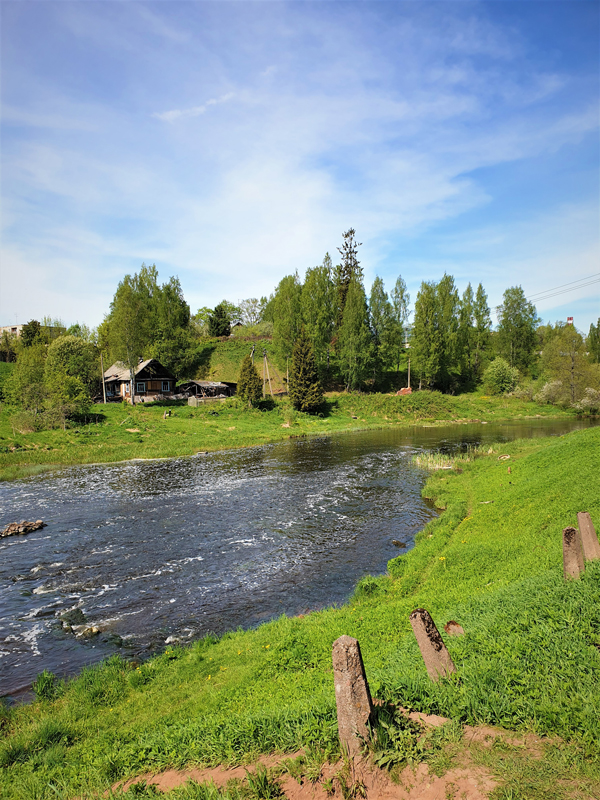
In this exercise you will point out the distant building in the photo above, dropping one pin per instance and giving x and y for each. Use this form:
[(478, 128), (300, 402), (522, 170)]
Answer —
[(152, 381), (15, 330)]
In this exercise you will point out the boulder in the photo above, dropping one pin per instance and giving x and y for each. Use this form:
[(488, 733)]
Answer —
[(21, 528)]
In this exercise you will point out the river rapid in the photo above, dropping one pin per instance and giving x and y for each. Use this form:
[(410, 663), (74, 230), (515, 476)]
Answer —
[(160, 552)]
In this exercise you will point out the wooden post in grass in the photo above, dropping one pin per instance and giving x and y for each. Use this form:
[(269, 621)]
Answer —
[(435, 655), (573, 564), (352, 695), (589, 539)]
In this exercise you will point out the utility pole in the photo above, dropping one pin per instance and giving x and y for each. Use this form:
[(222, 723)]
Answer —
[(103, 384)]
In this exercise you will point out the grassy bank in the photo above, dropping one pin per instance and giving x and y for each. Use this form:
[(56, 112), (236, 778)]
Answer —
[(114, 432), (529, 660)]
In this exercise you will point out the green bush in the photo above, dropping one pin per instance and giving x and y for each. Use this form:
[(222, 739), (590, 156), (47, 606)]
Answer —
[(500, 377)]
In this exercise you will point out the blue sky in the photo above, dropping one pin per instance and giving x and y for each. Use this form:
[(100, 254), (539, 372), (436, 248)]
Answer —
[(232, 143)]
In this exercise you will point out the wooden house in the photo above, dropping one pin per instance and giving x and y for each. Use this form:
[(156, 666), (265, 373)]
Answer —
[(152, 381)]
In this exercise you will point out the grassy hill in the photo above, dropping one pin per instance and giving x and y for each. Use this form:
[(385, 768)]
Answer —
[(222, 359)]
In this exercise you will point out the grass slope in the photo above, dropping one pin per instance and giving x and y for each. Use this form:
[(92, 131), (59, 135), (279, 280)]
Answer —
[(115, 432), (492, 561)]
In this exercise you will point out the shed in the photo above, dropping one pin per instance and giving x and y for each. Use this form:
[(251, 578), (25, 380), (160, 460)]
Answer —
[(207, 388)]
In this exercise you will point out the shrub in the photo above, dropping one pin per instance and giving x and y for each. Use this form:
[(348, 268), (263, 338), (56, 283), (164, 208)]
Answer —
[(551, 392), (500, 377), (589, 403)]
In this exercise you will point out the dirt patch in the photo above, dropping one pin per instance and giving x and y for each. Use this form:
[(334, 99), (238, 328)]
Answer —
[(463, 781)]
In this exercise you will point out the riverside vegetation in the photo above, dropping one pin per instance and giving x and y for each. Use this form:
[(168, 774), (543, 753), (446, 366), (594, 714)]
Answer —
[(529, 660), (116, 432)]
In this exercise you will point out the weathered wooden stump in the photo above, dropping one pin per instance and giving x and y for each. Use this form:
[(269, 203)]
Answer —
[(435, 655), (589, 539), (352, 695), (573, 564)]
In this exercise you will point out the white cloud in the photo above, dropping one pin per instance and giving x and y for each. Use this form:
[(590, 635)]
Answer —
[(194, 111)]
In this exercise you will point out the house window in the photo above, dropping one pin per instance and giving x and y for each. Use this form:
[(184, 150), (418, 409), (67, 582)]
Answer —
[(165, 386), (126, 388), (140, 387)]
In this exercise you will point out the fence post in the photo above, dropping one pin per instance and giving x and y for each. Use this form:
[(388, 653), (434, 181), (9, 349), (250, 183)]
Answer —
[(435, 655), (352, 695), (589, 539), (573, 564)]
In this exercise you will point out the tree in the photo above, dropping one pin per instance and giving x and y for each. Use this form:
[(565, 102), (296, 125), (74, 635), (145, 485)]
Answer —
[(287, 314), (564, 359), (381, 317), (318, 306), (483, 327), (219, 322), (130, 326), (25, 386), (400, 306), (249, 387), (593, 343), (8, 345), (30, 332), (305, 390), (466, 336), (517, 322), (434, 335), (354, 341), (347, 271), (72, 356), (251, 311)]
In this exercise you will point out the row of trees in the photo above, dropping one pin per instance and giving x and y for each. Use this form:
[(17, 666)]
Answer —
[(350, 339)]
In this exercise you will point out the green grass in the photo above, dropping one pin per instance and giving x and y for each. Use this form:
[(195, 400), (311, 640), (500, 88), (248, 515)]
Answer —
[(529, 660), (114, 432)]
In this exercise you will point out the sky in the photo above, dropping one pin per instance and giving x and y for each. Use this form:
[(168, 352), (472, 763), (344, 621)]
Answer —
[(232, 143)]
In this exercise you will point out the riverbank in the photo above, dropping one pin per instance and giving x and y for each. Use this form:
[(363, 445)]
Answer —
[(115, 432), (492, 561)]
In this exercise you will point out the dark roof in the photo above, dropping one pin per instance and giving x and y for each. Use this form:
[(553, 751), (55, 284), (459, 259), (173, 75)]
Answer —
[(204, 384)]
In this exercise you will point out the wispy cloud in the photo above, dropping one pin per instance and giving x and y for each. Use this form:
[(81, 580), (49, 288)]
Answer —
[(421, 125), (194, 111)]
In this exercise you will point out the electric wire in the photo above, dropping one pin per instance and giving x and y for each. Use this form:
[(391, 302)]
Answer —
[(558, 290)]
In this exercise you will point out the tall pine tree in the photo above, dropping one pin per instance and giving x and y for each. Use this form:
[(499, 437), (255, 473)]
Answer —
[(249, 386), (305, 390)]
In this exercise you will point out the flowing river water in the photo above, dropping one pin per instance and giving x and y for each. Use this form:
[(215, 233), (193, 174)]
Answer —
[(166, 551)]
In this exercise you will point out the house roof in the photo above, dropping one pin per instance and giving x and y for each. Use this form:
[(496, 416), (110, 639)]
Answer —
[(119, 372), (206, 384)]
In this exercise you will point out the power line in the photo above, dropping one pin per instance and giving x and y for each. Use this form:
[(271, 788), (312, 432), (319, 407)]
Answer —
[(537, 295), (551, 293)]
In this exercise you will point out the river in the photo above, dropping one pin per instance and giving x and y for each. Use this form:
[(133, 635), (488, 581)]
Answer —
[(165, 551)]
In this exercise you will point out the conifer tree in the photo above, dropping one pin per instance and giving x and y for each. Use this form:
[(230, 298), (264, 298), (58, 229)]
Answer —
[(347, 271), (319, 312), (305, 390), (249, 385), (219, 322)]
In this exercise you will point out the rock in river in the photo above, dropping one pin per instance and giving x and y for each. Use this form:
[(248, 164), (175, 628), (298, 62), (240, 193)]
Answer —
[(20, 528)]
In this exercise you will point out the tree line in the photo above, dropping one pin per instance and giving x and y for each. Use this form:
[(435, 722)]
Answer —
[(350, 339)]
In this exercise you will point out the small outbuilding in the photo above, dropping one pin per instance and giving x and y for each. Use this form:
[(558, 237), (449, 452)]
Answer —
[(207, 390), (152, 382)]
